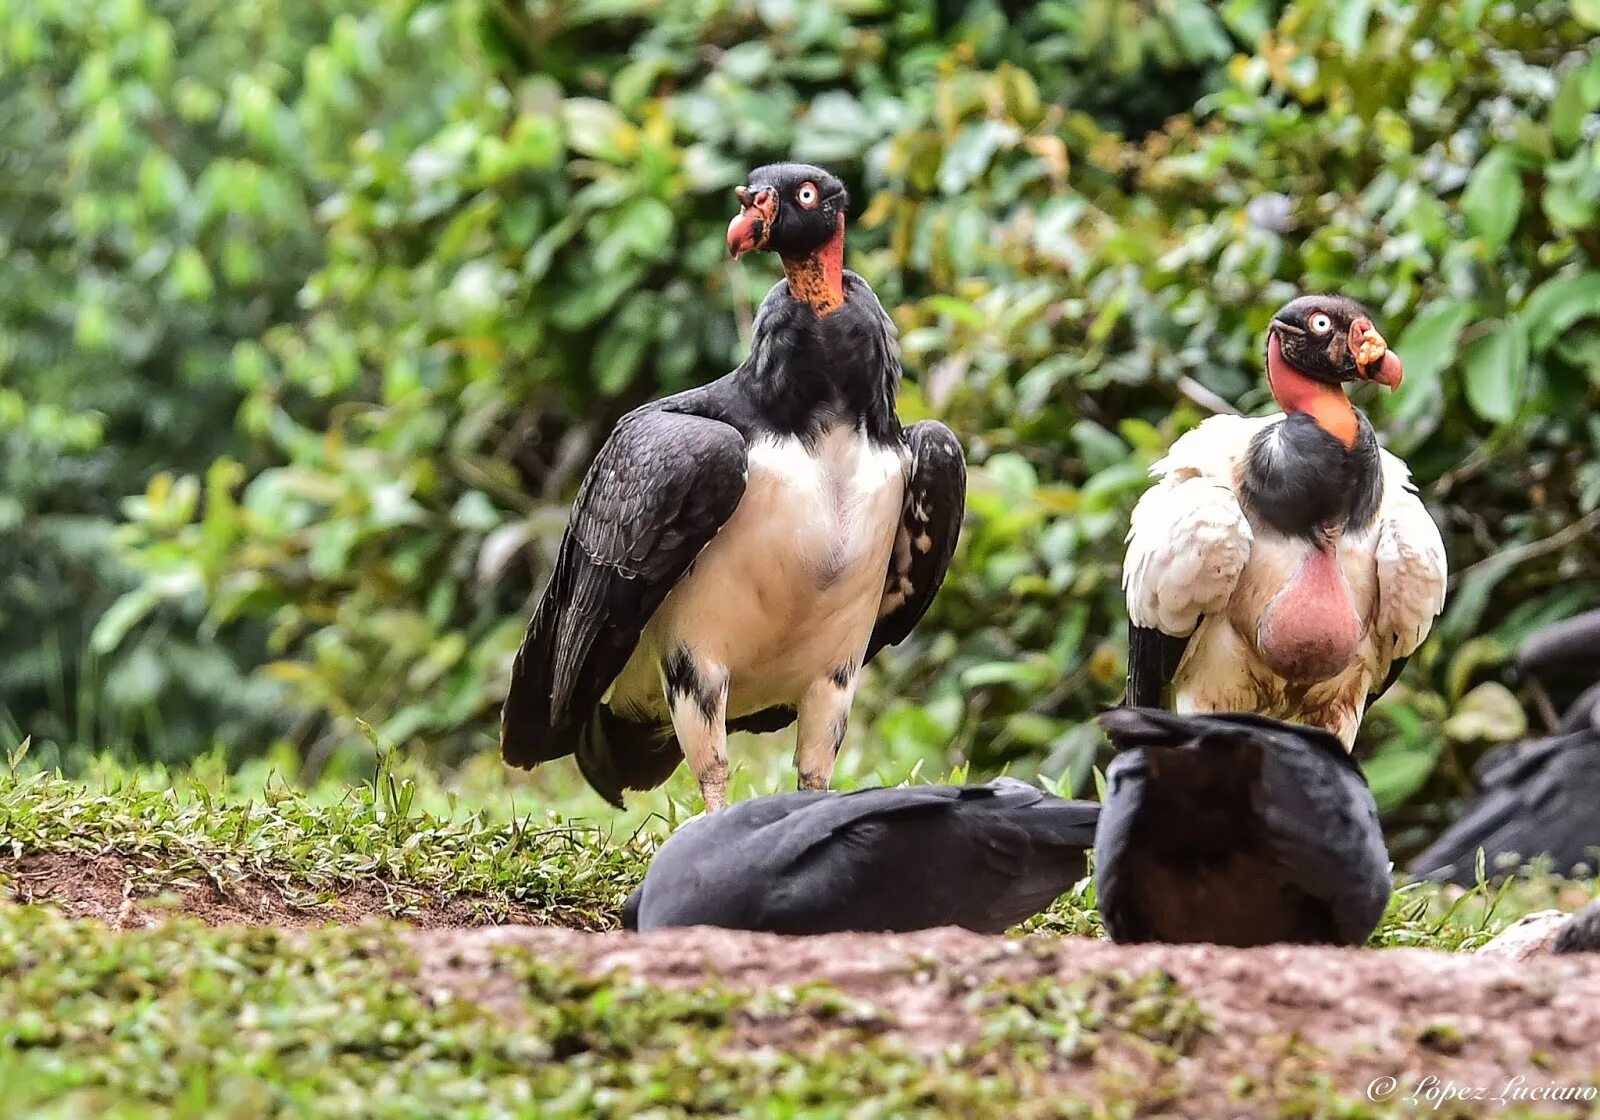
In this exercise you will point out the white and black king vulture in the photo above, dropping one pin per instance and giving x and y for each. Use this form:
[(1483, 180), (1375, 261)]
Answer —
[(1284, 564), (737, 552)]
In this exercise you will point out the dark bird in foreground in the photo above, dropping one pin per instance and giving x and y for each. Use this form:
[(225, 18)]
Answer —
[(737, 552), (1284, 564), (1581, 934), (1236, 830), (1541, 797), (877, 860), (1565, 656), (1535, 799)]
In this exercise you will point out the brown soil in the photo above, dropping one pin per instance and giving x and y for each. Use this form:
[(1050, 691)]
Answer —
[(131, 894), (1290, 1027), (1302, 1023)]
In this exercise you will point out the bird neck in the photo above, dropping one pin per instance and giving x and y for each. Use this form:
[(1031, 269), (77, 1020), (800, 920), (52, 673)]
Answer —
[(818, 279), (1324, 403)]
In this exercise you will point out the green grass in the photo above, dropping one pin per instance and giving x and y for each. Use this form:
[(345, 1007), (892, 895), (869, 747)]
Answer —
[(411, 833), (310, 846), (188, 1021), (182, 1020)]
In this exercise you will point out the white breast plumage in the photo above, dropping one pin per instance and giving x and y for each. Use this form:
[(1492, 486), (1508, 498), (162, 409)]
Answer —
[(790, 588)]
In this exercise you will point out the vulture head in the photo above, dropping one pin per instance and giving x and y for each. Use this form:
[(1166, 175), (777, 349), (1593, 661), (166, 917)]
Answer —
[(792, 209), (1331, 339)]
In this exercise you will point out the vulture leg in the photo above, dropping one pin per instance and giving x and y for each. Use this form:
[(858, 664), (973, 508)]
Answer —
[(697, 694), (824, 718)]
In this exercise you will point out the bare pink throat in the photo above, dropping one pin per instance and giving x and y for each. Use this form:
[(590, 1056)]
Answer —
[(1309, 631)]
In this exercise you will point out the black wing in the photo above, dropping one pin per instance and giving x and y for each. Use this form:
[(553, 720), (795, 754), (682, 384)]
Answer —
[(983, 857), (1567, 648), (658, 492), (1191, 787), (936, 499), (1323, 830), (1537, 799), (1153, 660), (1581, 934)]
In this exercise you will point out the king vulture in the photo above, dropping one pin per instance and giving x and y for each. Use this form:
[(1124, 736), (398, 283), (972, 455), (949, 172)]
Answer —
[(737, 552), (1236, 830), (1284, 564), (877, 860)]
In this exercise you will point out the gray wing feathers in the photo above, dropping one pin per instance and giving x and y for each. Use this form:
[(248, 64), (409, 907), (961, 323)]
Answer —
[(936, 497), (660, 489), (1323, 827)]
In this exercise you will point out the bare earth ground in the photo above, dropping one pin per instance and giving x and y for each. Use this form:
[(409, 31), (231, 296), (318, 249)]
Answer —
[(1345, 1019)]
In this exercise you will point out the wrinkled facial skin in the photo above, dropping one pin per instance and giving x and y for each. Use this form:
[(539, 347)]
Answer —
[(792, 209), (1333, 340)]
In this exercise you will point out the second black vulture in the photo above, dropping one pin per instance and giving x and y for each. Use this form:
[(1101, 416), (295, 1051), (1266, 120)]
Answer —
[(1236, 830), (877, 860), (1538, 799), (1581, 934)]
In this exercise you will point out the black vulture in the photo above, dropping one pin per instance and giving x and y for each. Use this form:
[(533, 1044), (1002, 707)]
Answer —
[(1538, 799), (982, 857), (1236, 830)]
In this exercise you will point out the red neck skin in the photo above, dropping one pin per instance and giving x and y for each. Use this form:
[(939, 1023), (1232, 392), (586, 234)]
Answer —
[(1295, 392), (819, 278)]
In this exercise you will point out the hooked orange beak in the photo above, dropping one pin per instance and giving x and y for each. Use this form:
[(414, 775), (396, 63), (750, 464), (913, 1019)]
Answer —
[(1374, 360), (751, 227)]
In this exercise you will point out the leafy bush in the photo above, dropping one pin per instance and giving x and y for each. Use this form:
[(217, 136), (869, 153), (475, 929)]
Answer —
[(1081, 215)]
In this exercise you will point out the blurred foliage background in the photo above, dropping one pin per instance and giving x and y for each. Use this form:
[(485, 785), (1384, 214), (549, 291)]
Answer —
[(312, 313)]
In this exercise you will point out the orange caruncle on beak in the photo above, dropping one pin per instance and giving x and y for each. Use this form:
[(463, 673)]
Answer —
[(752, 226), (1371, 351)]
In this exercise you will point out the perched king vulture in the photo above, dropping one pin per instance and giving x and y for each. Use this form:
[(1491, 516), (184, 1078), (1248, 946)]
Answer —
[(877, 860), (1538, 799), (1236, 830), (737, 552), (1284, 564)]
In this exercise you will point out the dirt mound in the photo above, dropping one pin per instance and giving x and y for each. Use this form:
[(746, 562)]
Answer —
[(1465, 1034), (129, 893)]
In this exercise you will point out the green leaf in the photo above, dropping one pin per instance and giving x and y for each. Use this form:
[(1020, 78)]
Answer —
[(1557, 304), (1569, 108), (121, 617), (1349, 24), (1497, 370), (1400, 768), (1489, 713), (1493, 198), (1587, 12)]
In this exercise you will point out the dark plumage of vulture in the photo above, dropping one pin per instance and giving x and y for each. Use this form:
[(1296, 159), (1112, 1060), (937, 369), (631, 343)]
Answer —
[(1565, 656), (885, 860), (1581, 934), (737, 552), (1236, 830), (1284, 564), (1539, 798)]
